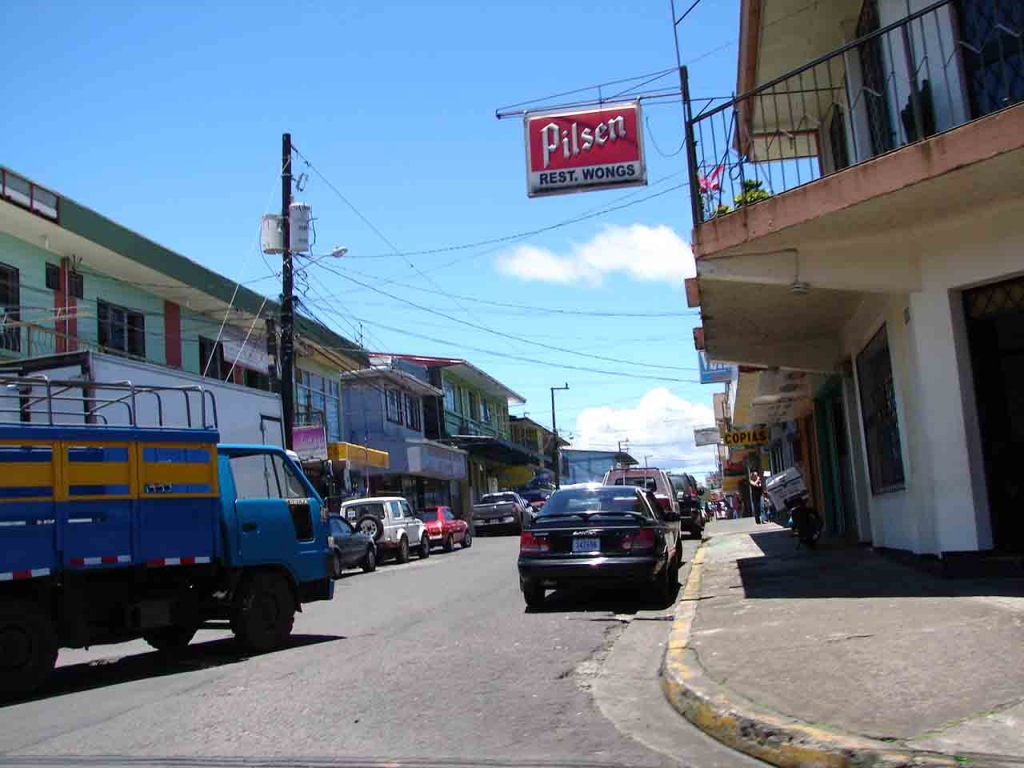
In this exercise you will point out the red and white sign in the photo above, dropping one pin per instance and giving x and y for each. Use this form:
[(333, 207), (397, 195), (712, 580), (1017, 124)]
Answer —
[(597, 148)]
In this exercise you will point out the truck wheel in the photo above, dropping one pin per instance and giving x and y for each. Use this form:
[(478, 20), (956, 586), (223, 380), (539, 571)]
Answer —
[(28, 648), (424, 547), (371, 526), (173, 638), (264, 612), (402, 555)]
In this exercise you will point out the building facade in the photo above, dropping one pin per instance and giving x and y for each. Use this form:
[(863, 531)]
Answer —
[(72, 280), (859, 221), (471, 414), (384, 410)]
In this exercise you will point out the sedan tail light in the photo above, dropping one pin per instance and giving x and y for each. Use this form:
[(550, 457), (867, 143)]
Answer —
[(530, 543), (665, 502), (642, 539)]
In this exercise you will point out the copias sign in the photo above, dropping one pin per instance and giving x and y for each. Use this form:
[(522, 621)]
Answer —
[(750, 436), (598, 148)]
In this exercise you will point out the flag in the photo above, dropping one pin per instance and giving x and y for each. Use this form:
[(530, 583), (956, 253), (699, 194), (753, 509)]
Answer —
[(712, 182)]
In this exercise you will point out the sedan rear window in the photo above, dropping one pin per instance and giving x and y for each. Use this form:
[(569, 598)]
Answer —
[(428, 516), (610, 499)]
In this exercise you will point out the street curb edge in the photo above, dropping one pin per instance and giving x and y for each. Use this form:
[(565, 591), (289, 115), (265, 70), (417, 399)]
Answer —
[(750, 728)]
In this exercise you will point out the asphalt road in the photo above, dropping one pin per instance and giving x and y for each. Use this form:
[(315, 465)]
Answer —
[(431, 663)]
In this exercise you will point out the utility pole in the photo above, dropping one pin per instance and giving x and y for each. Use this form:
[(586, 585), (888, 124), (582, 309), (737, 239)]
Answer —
[(287, 295), (554, 441)]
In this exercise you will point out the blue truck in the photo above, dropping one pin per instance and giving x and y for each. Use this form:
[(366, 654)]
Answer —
[(114, 532)]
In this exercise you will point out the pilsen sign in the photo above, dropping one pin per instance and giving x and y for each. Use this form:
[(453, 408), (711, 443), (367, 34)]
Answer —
[(598, 148)]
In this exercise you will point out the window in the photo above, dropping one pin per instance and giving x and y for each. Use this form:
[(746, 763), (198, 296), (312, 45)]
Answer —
[(875, 86), (396, 510), (878, 409), (394, 406), (448, 514), (318, 401), (474, 406), (52, 277), (213, 368), (412, 412), (992, 52), (340, 528), (485, 411), (121, 330), (10, 309), (449, 396), (76, 284), (266, 476)]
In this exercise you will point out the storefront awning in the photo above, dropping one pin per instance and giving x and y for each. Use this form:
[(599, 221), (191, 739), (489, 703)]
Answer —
[(358, 455), (494, 449)]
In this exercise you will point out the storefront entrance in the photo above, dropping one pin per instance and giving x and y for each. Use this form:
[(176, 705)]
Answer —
[(995, 331)]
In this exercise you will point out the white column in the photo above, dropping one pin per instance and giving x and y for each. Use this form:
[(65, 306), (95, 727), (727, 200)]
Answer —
[(959, 513)]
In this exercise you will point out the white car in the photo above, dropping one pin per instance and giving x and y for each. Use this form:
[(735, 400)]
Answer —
[(389, 521)]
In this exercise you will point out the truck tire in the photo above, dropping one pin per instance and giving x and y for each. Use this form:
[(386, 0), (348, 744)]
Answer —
[(264, 612), (28, 648), (371, 526), (173, 638)]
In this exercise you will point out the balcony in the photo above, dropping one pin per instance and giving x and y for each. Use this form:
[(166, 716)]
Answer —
[(942, 67), (23, 340)]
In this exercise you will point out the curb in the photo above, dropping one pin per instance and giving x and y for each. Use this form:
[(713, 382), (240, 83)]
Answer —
[(758, 731)]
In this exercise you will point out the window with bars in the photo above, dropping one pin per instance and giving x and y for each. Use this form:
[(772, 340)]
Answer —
[(878, 412), (876, 82), (10, 309), (992, 50), (211, 359), (120, 329), (412, 412), (394, 406)]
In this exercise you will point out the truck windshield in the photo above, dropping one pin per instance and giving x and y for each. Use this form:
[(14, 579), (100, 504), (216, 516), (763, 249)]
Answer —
[(266, 476)]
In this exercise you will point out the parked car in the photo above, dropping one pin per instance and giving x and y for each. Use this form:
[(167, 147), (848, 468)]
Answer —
[(648, 478), (693, 513), (502, 510), (350, 548), (596, 534), (535, 497), (445, 529), (389, 521)]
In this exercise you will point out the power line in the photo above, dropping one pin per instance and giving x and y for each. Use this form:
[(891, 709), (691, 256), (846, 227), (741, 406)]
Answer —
[(500, 333), (527, 233), (532, 308), (531, 360)]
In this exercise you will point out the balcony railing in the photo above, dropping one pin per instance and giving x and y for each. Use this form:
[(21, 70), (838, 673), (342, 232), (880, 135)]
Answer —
[(20, 340), (935, 69)]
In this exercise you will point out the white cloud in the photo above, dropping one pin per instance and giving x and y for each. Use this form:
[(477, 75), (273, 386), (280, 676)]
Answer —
[(660, 426), (650, 254)]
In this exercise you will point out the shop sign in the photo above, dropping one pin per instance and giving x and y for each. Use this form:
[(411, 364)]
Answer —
[(310, 442), (746, 436), (706, 436), (582, 150), (249, 353), (714, 373)]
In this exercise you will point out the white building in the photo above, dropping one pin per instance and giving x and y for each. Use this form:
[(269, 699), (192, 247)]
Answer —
[(886, 138)]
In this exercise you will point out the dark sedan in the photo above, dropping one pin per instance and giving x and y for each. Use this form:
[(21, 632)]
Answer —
[(600, 535), (350, 548)]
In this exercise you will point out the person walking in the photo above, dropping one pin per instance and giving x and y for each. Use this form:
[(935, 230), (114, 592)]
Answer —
[(755, 495)]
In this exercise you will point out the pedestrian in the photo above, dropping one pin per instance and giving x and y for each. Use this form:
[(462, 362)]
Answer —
[(755, 495)]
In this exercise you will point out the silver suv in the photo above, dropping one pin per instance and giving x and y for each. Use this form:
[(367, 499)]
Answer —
[(389, 521)]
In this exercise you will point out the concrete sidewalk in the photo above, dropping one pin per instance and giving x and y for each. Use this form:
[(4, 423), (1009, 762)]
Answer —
[(864, 654)]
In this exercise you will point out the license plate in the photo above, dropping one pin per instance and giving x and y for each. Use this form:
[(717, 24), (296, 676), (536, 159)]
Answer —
[(586, 545)]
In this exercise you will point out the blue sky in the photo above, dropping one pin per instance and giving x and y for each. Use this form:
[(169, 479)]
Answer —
[(167, 117)]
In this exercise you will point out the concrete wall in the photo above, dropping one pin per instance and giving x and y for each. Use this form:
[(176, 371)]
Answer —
[(944, 507)]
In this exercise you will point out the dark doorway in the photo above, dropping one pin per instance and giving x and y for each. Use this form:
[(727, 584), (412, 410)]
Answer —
[(995, 329)]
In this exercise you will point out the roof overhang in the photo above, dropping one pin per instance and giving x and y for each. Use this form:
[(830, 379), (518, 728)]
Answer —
[(493, 449), (395, 377)]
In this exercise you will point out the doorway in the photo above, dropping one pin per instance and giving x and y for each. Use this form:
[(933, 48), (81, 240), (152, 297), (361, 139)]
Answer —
[(995, 333)]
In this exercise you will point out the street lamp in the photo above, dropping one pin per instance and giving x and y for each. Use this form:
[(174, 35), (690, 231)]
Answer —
[(554, 441)]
